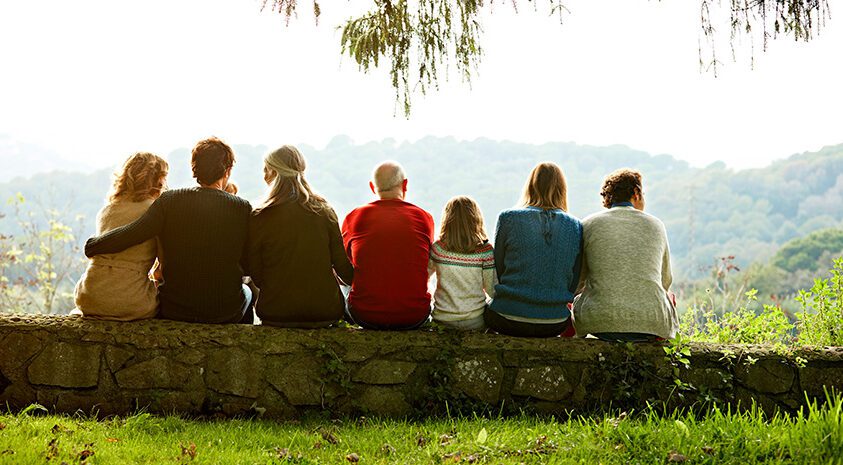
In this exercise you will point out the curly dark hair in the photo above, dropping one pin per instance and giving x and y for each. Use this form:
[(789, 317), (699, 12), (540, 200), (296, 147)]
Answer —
[(211, 158), (620, 186)]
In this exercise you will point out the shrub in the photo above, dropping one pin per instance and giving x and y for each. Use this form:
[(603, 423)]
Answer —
[(821, 319)]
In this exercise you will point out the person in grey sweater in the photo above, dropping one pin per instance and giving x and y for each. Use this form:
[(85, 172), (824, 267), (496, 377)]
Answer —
[(625, 278)]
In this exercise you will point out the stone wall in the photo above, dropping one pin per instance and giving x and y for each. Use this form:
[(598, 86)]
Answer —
[(69, 364)]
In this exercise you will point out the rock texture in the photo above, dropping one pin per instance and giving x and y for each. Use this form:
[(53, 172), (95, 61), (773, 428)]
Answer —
[(69, 364)]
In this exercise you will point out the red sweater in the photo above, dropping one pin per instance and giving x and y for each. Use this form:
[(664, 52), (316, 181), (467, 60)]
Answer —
[(388, 242)]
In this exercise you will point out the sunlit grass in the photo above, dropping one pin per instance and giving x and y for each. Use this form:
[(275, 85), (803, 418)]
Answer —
[(718, 437)]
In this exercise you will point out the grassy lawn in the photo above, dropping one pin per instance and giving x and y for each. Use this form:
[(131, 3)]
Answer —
[(718, 437)]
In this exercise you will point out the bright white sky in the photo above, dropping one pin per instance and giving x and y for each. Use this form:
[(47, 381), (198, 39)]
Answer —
[(98, 80)]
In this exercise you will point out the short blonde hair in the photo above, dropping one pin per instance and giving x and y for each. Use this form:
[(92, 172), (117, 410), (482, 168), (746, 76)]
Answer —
[(546, 188), (140, 178)]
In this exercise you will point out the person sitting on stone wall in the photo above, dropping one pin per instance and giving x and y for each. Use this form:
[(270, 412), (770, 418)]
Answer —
[(388, 242), (295, 247), (117, 286), (626, 268), (203, 233), (537, 257)]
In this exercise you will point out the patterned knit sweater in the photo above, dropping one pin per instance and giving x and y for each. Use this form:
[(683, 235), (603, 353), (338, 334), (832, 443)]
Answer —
[(462, 282), (537, 255)]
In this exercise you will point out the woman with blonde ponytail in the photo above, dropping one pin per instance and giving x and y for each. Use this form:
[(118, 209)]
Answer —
[(296, 253)]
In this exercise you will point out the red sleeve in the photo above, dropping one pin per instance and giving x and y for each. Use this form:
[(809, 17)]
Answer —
[(346, 235)]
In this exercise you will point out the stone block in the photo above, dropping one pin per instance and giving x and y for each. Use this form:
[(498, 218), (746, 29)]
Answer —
[(384, 372), (274, 405), (16, 349), (159, 373), (234, 371), (479, 377), (277, 346), (191, 356), (116, 357), (550, 383), (711, 378), (382, 400), (298, 378), (358, 352), (816, 380), (66, 365), (767, 376)]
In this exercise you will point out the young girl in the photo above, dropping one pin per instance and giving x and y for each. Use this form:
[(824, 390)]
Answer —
[(464, 263), (117, 286)]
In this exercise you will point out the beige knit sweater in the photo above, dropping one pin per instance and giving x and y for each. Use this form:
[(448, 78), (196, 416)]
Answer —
[(626, 275), (117, 286)]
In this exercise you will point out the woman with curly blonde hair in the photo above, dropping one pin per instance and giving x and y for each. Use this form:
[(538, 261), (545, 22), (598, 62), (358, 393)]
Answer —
[(117, 286)]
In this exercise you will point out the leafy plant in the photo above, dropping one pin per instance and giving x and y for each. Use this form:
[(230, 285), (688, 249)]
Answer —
[(40, 263), (743, 326), (821, 319)]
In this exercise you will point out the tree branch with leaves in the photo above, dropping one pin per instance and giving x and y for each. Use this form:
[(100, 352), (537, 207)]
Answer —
[(420, 39)]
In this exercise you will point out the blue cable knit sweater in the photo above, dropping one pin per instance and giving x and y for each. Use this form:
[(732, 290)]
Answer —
[(537, 256)]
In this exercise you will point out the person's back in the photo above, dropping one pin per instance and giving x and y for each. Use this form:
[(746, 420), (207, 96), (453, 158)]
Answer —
[(295, 247), (536, 254), (203, 239), (537, 257), (203, 232), (117, 286), (388, 242), (626, 274)]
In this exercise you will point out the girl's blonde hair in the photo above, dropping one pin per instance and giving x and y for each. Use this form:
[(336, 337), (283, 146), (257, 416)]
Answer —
[(546, 188), (289, 184), (462, 229), (141, 178)]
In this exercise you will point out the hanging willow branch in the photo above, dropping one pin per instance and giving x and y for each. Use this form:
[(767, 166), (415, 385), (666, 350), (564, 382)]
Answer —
[(421, 39)]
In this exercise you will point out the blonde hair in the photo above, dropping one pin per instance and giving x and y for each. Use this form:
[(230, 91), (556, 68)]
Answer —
[(140, 178), (289, 184), (546, 188), (462, 229)]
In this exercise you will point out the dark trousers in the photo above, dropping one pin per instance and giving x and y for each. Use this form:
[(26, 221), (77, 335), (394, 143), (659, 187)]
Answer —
[(509, 327), (352, 318)]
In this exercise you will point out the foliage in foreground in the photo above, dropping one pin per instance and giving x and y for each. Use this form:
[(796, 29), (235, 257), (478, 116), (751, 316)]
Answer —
[(819, 323), (718, 437)]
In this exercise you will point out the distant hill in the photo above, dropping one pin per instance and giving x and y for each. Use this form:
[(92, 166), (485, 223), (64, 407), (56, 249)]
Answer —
[(22, 159), (708, 212)]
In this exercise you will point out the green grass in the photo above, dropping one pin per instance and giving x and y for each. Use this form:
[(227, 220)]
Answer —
[(718, 437)]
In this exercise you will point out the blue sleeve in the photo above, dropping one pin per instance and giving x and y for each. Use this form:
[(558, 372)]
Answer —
[(500, 246), (575, 276)]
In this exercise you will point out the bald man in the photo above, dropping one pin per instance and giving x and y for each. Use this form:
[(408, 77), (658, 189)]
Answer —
[(388, 242)]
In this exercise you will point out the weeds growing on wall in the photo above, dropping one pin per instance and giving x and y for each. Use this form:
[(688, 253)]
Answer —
[(819, 323), (821, 319)]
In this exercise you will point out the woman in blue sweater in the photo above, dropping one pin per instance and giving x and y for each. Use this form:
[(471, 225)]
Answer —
[(537, 257)]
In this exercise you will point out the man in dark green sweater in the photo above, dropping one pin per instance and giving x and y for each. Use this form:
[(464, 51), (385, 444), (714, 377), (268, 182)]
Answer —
[(203, 235)]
